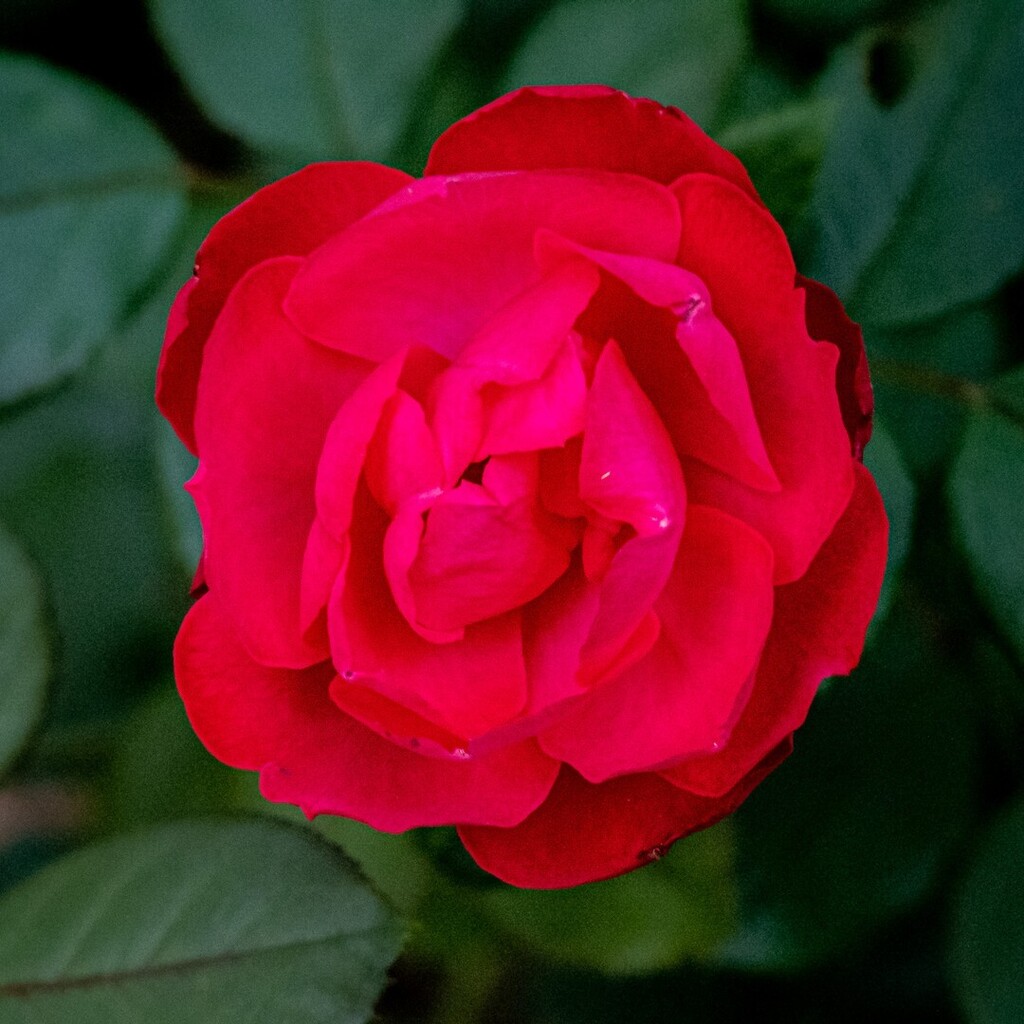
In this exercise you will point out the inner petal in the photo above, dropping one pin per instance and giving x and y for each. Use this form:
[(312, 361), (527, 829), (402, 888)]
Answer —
[(716, 421), (465, 688), (629, 473), (536, 414), (490, 548)]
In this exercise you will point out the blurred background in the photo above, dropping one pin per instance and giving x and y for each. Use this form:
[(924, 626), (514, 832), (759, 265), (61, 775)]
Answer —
[(879, 874)]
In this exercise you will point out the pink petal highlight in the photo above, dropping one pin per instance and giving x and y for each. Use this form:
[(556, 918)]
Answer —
[(727, 435), (629, 473)]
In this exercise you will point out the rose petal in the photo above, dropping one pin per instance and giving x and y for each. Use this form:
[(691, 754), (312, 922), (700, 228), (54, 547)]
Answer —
[(340, 468), (817, 631), (517, 344), (402, 461), (432, 271), (827, 321), (584, 832), (455, 411), (581, 126), (282, 723), (537, 414), (343, 453), (682, 697), (629, 473), (466, 688), (485, 553), (401, 548), (714, 422), (291, 217), (266, 397), (740, 252)]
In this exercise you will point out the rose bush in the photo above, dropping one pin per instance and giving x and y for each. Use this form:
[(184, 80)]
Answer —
[(531, 490)]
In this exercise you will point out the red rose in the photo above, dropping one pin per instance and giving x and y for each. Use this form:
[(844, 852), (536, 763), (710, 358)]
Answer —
[(531, 490)]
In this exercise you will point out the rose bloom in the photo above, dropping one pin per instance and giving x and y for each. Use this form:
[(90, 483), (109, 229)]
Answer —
[(531, 490)]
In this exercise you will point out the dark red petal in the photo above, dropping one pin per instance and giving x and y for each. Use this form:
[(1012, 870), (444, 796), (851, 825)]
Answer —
[(582, 126), (291, 217), (743, 257), (431, 271), (827, 321), (682, 697), (282, 723), (585, 832), (817, 631), (266, 398)]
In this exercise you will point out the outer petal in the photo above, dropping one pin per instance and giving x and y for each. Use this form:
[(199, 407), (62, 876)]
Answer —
[(283, 724), (583, 833), (432, 271), (266, 398), (582, 126), (682, 697), (291, 217), (827, 321), (818, 631), (740, 252)]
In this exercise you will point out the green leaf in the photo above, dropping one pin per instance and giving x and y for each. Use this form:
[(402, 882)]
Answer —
[(883, 459), (393, 863), (682, 52), (922, 374), (24, 649), (81, 486), (681, 908), (919, 206), (984, 493), (988, 928), (782, 151), (827, 15), (195, 922), (856, 827), (1008, 393), (78, 486), (89, 198), (331, 78)]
